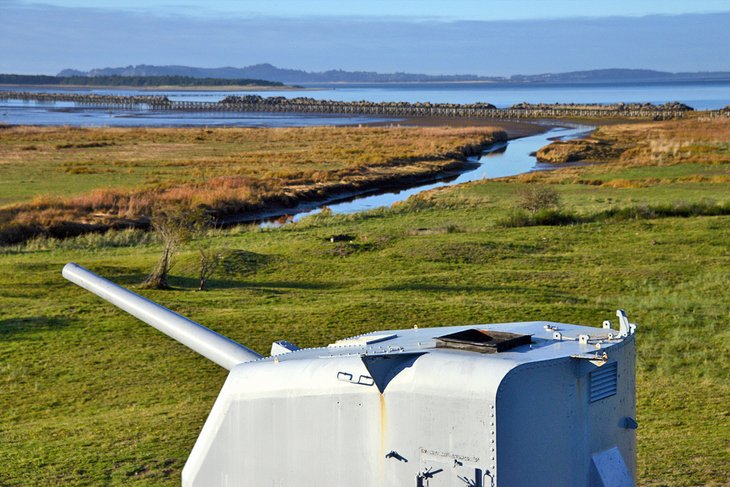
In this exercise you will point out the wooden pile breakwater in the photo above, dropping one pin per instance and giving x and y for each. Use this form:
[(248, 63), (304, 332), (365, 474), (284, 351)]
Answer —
[(255, 103), (88, 99)]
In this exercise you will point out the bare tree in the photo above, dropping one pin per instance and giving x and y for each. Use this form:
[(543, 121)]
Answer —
[(210, 261), (176, 224)]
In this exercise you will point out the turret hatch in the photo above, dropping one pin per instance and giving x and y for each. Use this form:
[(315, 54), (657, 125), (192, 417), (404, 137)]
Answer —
[(482, 341)]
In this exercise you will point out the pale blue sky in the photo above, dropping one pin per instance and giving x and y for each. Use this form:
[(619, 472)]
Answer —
[(435, 9), (486, 37)]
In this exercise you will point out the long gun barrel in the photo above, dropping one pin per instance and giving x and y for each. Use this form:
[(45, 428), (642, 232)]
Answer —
[(211, 345)]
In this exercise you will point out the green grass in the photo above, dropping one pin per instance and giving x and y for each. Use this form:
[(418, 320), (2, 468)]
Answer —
[(91, 396), (673, 171), (60, 181), (68, 161), (22, 182)]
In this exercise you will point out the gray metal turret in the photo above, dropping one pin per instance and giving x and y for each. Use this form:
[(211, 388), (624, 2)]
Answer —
[(512, 405)]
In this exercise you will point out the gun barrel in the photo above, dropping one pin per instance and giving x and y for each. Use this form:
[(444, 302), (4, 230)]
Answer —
[(211, 345)]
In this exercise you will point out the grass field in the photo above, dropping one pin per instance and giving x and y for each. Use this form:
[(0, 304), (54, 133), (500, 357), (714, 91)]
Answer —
[(67, 161), (60, 181), (90, 396)]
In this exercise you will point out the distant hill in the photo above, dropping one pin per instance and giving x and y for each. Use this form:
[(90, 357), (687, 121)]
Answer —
[(134, 80), (619, 75), (272, 73), (289, 76)]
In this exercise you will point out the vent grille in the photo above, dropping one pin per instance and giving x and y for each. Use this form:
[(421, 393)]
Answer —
[(603, 382)]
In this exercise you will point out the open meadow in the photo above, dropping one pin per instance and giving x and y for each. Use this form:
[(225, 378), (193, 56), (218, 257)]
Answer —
[(91, 396), (61, 181)]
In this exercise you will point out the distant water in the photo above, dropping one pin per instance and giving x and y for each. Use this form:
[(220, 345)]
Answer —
[(699, 95), (702, 96), (499, 160), (34, 113)]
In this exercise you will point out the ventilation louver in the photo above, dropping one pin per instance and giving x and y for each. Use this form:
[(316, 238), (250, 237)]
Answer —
[(603, 382)]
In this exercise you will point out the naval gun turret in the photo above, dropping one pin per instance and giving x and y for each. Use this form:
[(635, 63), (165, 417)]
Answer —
[(513, 404)]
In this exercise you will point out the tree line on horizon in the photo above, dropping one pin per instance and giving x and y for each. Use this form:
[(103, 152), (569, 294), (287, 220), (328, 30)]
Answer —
[(286, 75), (116, 80)]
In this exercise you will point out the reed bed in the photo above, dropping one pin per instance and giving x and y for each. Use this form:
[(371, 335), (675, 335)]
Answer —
[(75, 180)]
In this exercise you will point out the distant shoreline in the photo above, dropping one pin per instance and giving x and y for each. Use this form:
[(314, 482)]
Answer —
[(429, 82), (167, 87), (524, 83)]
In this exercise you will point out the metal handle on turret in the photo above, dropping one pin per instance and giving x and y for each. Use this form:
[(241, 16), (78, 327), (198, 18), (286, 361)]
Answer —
[(211, 345)]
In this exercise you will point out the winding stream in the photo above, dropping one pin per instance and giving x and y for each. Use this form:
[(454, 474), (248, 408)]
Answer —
[(499, 160)]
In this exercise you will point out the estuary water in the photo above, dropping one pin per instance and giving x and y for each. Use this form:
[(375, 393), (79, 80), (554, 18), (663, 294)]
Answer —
[(699, 95), (499, 160)]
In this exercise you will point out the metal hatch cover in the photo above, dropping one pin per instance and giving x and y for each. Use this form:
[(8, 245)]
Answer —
[(482, 341)]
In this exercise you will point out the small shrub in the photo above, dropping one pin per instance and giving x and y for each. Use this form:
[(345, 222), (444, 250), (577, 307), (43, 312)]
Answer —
[(516, 218), (548, 217), (534, 198)]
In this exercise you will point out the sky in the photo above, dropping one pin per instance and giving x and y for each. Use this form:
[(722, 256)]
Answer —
[(484, 37)]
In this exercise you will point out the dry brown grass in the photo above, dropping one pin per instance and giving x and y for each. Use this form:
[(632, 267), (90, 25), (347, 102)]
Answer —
[(234, 148), (654, 143), (667, 143), (224, 171), (631, 147)]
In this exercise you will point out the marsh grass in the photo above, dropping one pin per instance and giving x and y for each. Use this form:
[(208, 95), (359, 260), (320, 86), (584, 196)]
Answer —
[(692, 149), (555, 217), (90, 396), (102, 178), (91, 242)]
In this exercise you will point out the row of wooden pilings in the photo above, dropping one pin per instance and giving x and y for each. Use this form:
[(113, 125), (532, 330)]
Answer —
[(253, 103)]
